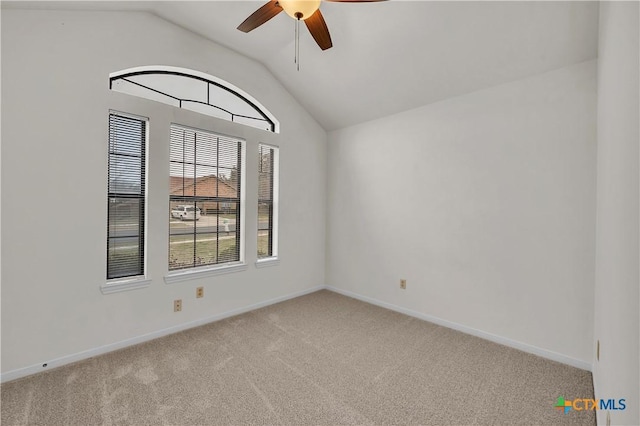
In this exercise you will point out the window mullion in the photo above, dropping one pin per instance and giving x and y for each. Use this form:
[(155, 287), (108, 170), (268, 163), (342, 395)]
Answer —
[(218, 204), (195, 181)]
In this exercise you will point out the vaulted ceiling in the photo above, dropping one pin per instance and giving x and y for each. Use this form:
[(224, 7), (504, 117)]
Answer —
[(392, 56)]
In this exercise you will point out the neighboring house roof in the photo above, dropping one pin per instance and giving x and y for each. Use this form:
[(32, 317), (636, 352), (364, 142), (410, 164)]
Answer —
[(205, 186)]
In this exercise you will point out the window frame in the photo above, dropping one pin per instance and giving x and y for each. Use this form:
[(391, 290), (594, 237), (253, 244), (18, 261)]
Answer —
[(196, 272), (124, 75), (273, 258), (130, 282)]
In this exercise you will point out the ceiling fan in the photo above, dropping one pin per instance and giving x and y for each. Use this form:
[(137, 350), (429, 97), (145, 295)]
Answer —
[(300, 10)]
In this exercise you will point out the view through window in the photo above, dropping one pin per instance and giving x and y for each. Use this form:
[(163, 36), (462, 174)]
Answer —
[(126, 196), (204, 216), (267, 201)]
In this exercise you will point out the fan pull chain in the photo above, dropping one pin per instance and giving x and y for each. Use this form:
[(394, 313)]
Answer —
[(296, 59)]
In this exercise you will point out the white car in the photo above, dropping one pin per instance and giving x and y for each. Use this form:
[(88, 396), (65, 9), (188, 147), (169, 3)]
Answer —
[(185, 213)]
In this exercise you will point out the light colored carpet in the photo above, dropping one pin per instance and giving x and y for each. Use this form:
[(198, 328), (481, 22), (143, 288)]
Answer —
[(321, 359)]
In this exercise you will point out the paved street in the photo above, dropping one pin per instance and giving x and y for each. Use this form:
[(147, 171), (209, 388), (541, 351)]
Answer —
[(206, 224)]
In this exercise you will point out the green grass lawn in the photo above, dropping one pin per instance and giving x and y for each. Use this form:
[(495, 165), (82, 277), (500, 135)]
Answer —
[(181, 251), (208, 251), (263, 245)]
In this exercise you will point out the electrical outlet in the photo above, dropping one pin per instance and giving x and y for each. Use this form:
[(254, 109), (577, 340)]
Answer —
[(199, 292), (403, 284), (598, 350), (177, 305)]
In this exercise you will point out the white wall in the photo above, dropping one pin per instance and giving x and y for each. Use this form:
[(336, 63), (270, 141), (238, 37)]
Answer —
[(617, 258), (55, 104), (485, 203)]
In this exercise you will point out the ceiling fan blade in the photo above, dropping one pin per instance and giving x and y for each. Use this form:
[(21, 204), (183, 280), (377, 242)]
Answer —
[(319, 31), (260, 16)]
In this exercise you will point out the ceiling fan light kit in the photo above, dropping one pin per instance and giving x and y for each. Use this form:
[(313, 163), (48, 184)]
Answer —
[(300, 9)]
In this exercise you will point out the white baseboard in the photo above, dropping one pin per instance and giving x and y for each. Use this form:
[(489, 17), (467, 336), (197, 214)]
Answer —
[(68, 359), (544, 353)]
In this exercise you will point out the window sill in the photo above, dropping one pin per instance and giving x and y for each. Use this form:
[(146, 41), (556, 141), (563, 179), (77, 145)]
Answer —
[(267, 261), (194, 274), (124, 285)]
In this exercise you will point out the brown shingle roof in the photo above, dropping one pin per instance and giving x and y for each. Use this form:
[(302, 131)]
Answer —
[(205, 186)]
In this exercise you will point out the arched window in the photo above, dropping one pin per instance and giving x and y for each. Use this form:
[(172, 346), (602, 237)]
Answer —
[(195, 91)]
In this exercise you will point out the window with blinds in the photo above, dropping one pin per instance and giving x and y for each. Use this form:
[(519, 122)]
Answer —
[(126, 196), (204, 199), (267, 201)]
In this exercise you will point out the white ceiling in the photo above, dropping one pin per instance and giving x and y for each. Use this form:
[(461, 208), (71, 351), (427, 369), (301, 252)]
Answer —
[(392, 56)]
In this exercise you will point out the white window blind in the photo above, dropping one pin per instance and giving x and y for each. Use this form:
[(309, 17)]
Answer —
[(267, 201), (205, 185), (126, 196)]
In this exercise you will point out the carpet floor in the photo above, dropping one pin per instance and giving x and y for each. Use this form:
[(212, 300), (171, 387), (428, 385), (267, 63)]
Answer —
[(320, 359)]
